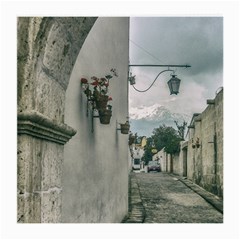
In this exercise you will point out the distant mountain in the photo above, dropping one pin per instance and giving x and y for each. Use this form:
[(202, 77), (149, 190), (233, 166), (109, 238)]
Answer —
[(145, 119)]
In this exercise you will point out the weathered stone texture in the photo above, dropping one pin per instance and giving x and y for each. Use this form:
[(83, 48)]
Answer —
[(48, 45), (62, 48), (197, 154), (29, 208), (52, 158), (205, 164), (47, 50), (52, 105), (175, 163), (37, 125), (161, 198), (32, 34), (39, 177), (51, 206), (219, 137)]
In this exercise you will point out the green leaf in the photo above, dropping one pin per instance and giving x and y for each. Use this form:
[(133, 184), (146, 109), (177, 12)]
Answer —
[(108, 76)]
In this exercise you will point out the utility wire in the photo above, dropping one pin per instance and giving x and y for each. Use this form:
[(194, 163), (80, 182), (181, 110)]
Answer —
[(145, 50)]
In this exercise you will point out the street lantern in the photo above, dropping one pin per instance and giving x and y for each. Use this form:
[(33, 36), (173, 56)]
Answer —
[(174, 84)]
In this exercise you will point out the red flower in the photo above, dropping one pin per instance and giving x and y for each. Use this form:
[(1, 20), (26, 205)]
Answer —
[(95, 83), (84, 80), (94, 78), (110, 99)]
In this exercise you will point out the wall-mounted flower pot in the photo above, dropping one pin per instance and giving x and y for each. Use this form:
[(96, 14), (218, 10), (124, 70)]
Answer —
[(193, 146), (105, 116), (132, 80), (101, 103), (125, 128), (197, 143)]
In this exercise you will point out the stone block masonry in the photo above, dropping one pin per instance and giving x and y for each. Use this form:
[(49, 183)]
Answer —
[(46, 52), (62, 178), (205, 162), (40, 159)]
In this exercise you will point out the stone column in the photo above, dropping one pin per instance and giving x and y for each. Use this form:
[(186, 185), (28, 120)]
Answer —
[(40, 158), (47, 51)]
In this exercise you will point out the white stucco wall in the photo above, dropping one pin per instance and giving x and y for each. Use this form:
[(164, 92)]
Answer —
[(95, 173), (162, 156)]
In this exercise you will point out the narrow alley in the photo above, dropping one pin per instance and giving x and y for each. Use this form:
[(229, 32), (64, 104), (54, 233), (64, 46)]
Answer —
[(163, 198)]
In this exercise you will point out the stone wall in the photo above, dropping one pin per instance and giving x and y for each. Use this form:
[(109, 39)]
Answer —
[(95, 173), (46, 52), (180, 164), (205, 162), (212, 146), (164, 160), (176, 164)]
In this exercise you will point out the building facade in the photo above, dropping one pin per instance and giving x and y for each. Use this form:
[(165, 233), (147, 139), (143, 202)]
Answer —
[(66, 172), (95, 170), (205, 147), (201, 157)]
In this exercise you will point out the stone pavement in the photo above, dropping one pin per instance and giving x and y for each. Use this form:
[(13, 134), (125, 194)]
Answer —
[(136, 212), (215, 201), (167, 198)]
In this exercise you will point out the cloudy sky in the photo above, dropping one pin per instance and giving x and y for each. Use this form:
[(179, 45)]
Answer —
[(197, 41)]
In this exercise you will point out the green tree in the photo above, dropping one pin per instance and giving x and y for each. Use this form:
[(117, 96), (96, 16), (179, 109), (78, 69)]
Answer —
[(162, 137), (147, 156), (167, 137)]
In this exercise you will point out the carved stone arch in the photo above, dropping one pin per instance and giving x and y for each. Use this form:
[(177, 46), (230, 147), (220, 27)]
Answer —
[(47, 50)]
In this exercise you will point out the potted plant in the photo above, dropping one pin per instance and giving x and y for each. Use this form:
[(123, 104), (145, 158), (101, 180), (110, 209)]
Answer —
[(193, 144), (197, 143), (97, 93), (125, 127), (131, 79), (105, 115), (100, 92)]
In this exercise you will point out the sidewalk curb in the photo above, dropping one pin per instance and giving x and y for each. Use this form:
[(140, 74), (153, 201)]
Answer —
[(136, 212), (212, 199)]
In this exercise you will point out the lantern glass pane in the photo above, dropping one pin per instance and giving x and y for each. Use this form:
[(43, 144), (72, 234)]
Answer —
[(174, 84)]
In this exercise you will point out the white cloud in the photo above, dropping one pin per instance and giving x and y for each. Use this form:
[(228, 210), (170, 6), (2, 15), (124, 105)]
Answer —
[(197, 41)]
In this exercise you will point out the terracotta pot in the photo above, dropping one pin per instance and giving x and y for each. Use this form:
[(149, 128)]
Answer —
[(125, 128), (105, 116), (101, 103)]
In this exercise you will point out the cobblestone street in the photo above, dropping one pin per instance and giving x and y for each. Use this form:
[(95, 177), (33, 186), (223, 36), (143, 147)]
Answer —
[(162, 198)]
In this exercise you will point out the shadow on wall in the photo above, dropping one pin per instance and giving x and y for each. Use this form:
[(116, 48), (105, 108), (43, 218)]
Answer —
[(95, 173)]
